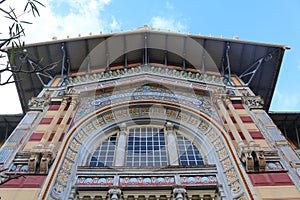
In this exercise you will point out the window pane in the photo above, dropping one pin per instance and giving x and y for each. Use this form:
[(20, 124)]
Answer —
[(189, 155), (104, 154), (149, 147)]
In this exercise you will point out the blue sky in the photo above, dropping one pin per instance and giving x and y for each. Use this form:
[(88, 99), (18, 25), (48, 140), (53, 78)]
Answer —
[(275, 21)]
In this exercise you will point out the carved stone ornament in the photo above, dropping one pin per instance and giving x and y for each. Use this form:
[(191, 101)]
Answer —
[(114, 194), (253, 102), (179, 193), (38, 103)]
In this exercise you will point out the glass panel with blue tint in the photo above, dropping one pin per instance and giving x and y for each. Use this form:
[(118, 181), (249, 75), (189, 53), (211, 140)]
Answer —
[(105, 152), (149, 147), (189, 155)]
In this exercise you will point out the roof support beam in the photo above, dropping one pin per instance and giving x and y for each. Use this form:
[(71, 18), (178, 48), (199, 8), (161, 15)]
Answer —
[(251, 71), (166, 51), (87, 49), (145, 49), (125, 52), (226, 71), (184, 54), (63, 61), (297, 136), (107, 55), (42, 71), (203, 56)]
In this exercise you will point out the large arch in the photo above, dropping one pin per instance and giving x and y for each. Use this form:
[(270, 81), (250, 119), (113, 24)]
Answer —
[(205, 131)]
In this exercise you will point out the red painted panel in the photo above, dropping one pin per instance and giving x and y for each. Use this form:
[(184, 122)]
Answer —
[(61, 137), (270, 179), (256, 135), (51, 137), (231, 136), (281, 179), (240, 133), (46, 120), (26, 181), (60, 119), (54, 107), (242, 136), (233, 120), (238, 106), (246, 119), (260, 179), (36, 137)]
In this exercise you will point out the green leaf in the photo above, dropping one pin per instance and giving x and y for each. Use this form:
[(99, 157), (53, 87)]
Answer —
[(39, 3), (26, 6), (25, 22)]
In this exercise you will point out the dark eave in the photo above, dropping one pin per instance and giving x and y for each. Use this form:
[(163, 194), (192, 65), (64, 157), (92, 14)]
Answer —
[(7, 124), (289, 124)]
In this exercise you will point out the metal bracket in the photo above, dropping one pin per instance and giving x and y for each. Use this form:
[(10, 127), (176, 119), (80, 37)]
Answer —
[(226, 62), (251, 71), (42, 71), (63, 68)]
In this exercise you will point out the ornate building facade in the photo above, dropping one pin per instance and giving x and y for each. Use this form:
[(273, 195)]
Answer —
[(149, 115)]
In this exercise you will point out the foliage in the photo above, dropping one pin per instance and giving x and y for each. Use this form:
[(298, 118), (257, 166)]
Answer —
[(15, 33)]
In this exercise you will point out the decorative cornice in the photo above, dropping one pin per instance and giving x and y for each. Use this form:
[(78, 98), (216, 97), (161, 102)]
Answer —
[(145, 69)]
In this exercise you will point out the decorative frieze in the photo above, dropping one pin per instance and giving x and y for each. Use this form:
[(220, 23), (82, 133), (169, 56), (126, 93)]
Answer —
[(92, 103), (138, 181)]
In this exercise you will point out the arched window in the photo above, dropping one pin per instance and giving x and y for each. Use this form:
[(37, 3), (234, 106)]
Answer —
[(147, 146), (189, 155), (104, 154)]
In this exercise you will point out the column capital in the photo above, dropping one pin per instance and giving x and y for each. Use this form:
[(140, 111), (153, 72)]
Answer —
[(123, 127), (169, 126)]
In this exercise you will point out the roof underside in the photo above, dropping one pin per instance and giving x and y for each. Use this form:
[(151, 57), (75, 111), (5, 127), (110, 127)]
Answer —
[(189, 51), (7, 124), (289, 124)]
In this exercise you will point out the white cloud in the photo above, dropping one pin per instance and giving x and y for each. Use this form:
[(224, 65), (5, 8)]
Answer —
[(167, 23), (78, 17), (284, 101), (115, 25), (83, 17), (169, 6)]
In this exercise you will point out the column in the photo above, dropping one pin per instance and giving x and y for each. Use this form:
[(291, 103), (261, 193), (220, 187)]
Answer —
[(63, 123), (230, 123), (240, 123), (121, 145), (53, 122), (172, 145)]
